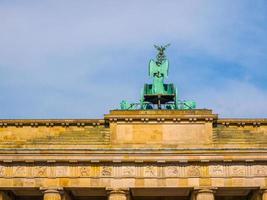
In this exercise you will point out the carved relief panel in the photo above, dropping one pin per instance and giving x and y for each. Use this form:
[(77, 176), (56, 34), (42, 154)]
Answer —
[(217, 170), (172, 171), (40, 171), (193, 170), (128, 171), (237, 170), (259, 170), (62, 171), (150, 171), (84, 170), (134, 170), (19, 171), (106, 171), (3, 171)]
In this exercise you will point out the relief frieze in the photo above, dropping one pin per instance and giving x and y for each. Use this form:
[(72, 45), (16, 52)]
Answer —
[(217, 170), (84, 171), (128, 171), (193, 170), (61, 171), (175, 170), (40, 171), (172, 171), (106, 171), (237, 170), (19, 171), (150, 171), (3, 171), (259, 170)]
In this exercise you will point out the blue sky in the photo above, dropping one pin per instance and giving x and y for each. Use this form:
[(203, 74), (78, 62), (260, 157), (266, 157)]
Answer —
[(79, 59)]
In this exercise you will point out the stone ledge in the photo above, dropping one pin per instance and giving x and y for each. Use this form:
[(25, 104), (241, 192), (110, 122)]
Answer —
[(241, 122), (160, 115), (50, 122)]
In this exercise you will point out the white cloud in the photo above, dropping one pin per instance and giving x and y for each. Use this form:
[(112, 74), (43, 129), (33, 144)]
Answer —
[(234, 99), (31, 31), (64, 46)]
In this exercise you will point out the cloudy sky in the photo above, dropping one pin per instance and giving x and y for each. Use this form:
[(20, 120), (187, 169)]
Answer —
[(79, 59)]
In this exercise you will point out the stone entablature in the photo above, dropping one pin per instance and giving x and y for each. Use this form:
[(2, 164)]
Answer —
[(133, 175), (134, 170), (241, 122), (161, 116), (50, 122), (152, 128), (191, 151), (194, 135)]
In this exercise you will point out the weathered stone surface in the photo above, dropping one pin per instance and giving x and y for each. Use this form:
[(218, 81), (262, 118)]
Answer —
[(52, 194), (204, 194), (135, 149)]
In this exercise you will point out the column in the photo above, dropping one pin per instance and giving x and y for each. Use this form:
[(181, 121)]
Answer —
[(118, 194), (205, 194), (4, 196), (52, 194), (264, 194)]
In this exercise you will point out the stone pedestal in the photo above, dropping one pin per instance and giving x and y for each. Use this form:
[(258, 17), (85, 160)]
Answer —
[(205, 194), (161, 127), (118, 194), (52, 194)]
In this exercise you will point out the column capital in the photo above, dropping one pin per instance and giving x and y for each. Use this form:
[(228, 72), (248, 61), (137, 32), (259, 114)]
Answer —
[(204, 193), (56, 190), (124, 191), (205, 189), (263, 189)]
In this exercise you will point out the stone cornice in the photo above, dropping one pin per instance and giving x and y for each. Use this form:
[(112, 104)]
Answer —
[(74, 156), (140, 116), (50, 122), (161, 116), (241, 121)]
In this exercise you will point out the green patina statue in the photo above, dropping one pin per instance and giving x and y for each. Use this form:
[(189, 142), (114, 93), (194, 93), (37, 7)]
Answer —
[(159, 95), (158, 70)]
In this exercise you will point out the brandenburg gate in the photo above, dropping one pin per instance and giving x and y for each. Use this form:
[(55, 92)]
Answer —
[(160, 148)]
